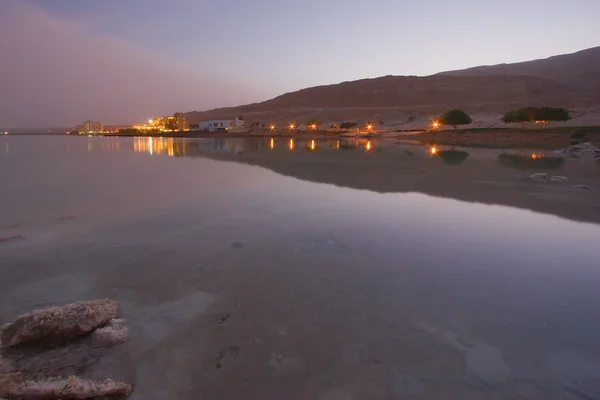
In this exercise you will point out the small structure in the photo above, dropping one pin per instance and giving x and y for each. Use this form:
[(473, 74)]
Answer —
[(215, 125)]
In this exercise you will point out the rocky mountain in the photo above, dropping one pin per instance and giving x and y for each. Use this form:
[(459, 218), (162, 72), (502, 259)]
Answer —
[(581, 69), (570, 80)]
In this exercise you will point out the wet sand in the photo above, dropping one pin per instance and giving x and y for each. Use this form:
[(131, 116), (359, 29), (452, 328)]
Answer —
[(239, 282)]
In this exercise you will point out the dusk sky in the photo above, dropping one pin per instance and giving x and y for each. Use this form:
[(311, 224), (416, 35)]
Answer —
[(122, 61)]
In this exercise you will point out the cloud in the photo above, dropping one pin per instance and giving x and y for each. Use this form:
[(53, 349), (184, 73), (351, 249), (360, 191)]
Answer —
[(54, 72)]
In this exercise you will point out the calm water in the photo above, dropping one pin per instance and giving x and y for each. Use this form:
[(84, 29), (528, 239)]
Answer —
[(270, 269)]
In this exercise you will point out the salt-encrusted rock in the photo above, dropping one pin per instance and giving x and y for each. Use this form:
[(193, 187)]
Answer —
[(114, 332), (13, 386), (558, 178), (587, 151), (59, 323), (539, 177)]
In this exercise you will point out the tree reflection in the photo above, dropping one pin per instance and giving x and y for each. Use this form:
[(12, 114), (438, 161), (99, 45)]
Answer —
[(530, 162), (452, 157)]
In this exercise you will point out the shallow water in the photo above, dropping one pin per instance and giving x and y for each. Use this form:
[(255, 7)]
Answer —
[(247, 269)]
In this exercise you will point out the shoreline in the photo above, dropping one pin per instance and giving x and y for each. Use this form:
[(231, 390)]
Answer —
[(553, 139), (549, 138)]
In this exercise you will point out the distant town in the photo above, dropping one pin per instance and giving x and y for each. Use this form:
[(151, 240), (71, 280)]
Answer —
[(174, 123)]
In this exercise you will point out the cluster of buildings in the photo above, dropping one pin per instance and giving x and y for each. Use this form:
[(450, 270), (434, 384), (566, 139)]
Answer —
[(90, 128), (175, 122), (221, 125)]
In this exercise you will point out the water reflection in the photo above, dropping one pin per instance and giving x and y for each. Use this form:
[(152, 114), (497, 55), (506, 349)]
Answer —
[(491, 176), (178, 147), (452, 157), (153, 146), (535, 161)]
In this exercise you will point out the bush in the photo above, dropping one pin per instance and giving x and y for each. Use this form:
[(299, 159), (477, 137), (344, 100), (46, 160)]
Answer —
[(543, 115)]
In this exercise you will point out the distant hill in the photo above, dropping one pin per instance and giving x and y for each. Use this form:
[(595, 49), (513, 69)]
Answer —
[(581, 69), (570, 80)]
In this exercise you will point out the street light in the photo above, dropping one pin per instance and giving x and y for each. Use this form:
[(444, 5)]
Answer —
[(435, 124), (292, 126), (272, 127)]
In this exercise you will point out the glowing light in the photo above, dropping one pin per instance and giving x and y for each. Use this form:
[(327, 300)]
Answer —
[(292, 126), (368, 145), (435, 124), (536, 156), (150, 121), (337, 145), (433, 150), (313, 145), (369, 127), (291, 144), (313, 126), (272, 144), (272, 127), (6, 133)]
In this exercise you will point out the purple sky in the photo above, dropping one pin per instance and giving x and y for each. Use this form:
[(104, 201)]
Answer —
[(121, 61)]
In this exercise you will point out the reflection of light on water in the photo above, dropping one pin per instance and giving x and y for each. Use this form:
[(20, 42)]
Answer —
[(536, 156), (156, 146), (433, 150), (337, 145), (313, 145), (291, 144), (368, 145), (272, 144)]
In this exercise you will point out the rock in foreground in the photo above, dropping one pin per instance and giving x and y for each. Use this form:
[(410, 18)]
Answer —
[(114, 332), (71, 388), (59, 323)]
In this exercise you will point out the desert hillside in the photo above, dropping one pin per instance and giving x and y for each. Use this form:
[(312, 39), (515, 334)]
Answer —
[(581, 69), (410, 102)]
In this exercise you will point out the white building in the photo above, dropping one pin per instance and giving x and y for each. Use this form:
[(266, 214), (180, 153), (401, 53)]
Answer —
[(222, 125)]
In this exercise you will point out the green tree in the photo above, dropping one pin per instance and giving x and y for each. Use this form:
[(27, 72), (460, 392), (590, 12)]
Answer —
[(455, 118), (545, 115), (347, 125), (521, 116), (313, 124)]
